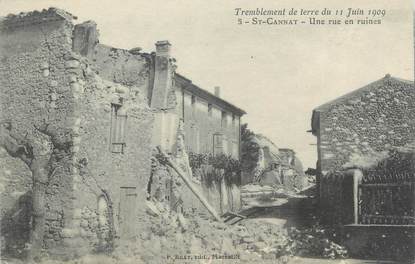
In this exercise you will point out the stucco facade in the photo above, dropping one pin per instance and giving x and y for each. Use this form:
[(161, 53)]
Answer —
[(212, 125)]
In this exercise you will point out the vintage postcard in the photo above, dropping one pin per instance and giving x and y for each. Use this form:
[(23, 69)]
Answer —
[(202, 132)]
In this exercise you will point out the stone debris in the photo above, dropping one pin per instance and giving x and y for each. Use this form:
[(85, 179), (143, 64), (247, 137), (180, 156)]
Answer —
[(151, 209), (135, 51), (263, 195)]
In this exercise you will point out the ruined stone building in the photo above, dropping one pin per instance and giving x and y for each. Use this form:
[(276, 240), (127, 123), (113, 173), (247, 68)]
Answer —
[(275, 166), (85, 117)]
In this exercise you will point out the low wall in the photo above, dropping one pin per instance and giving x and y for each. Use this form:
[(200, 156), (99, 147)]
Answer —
[(336, 198), (221, 197)]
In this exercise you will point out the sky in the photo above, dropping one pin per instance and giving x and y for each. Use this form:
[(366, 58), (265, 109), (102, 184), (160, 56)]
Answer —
[(277, 74)]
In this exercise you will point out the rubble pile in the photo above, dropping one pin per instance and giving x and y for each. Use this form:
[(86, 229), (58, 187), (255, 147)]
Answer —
[(314, 241), (264, 195), (172, 236)]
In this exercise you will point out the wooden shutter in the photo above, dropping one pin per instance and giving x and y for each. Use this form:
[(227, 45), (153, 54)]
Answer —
[(118, 127)]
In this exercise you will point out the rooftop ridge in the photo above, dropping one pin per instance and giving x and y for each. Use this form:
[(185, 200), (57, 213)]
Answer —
[(364, 88), (206, 93)]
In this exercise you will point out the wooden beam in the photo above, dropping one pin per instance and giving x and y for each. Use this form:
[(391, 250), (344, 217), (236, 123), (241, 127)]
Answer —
[(189, 184)]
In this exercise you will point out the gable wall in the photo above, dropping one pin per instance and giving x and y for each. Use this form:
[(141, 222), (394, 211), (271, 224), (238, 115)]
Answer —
[(375, 120)]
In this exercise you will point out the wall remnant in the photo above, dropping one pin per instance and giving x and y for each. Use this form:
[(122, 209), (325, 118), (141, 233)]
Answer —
[(52, 84)]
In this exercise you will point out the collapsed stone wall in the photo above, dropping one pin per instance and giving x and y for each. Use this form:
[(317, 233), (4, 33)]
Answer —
[(374, 120), (131, 68), (123, 67), (165, 185), (264, 162), (36, 62)]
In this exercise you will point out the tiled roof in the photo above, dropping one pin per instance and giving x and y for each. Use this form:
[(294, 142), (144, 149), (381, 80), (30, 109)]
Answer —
[(194, 89), (368, 87)]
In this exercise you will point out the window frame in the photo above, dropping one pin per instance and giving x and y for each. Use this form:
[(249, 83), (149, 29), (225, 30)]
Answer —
[(117, 129)]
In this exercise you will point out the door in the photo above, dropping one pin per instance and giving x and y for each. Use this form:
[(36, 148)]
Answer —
[(128, 212)]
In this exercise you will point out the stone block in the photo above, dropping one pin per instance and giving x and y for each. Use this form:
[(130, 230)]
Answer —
[(53, 83), (69, 232), (44, 65), (45, 73), (72, 64), (77, 213), (84, 223)]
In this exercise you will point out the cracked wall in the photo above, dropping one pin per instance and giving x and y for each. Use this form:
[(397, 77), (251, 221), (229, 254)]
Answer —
[(35, 52), (93, 195), (101, 171)]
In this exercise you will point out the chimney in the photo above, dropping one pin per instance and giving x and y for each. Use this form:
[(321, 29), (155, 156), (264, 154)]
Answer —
[(217, 91), (163, 48), (85, 38), (162, 75)]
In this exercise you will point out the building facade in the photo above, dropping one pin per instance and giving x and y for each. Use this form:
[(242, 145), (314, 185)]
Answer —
[(92, 132), (78, 122), (374, 118), (356, 131), (212, 125)]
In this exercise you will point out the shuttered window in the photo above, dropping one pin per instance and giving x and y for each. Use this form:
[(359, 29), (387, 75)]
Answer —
[(217, 144), (118, 126), (224, 120)]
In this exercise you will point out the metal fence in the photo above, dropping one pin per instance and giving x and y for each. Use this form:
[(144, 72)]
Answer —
[(387, 198)]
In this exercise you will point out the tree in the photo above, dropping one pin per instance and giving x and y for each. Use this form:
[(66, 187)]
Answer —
[(36, 152), (249, 149)]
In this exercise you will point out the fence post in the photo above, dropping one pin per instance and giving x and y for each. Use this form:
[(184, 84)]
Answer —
[(357, 179)]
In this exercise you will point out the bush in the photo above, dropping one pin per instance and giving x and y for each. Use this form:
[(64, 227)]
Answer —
[(313, 242), (213, 168)]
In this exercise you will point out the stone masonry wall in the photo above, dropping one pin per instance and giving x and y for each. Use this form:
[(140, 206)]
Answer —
[(121, 66), (101, 173), (376, 119), (36, 64), (43, 82), (130, 68)]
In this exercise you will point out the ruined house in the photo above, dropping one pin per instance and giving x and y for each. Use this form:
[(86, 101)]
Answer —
[(275, 166), (79, 121), (93, 131)]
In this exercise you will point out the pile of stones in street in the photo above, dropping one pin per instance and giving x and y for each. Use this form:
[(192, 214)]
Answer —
[(173, 238)]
